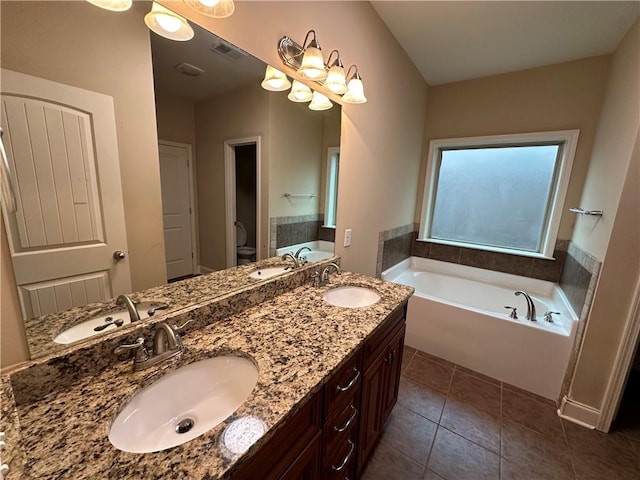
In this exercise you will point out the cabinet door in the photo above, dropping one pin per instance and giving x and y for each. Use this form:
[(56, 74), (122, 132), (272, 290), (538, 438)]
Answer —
[(307, 465), (371, 408), (393, 362)]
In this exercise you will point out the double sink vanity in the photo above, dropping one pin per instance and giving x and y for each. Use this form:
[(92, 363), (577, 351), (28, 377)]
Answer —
[(279, 378)]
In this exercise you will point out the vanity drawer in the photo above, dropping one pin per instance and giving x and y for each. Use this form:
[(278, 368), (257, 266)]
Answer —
[(380, 339), (339, 464), (342, 386), (339, 426)]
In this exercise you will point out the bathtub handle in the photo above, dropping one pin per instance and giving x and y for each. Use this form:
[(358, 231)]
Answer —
[(548, 316), (351, 383), (513, 313)]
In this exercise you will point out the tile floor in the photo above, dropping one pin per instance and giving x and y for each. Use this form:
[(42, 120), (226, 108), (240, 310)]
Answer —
[(454, 424)]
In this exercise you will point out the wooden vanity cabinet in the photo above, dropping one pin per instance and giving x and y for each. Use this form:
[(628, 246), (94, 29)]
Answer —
[(382, 368), (341, 417), (294, 452), (332, 436)]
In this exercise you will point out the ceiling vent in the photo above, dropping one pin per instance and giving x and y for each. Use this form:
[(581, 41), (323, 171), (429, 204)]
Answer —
[(228, 50), (188, 69)]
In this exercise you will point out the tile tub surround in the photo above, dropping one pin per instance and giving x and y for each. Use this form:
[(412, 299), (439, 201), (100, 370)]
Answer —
[(394, 245), (296, 339), (178, 295), (402, 242), (578, 282), (285, 231)]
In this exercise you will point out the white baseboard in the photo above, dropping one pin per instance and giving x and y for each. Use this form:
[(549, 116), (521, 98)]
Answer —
[(579, 413), (204, 270)]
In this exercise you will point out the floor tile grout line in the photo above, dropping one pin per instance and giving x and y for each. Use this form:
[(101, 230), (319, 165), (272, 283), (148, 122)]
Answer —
[(566, 441)]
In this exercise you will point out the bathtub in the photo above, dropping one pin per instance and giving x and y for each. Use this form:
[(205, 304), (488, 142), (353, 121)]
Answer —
[(320, 250), (457, 313)]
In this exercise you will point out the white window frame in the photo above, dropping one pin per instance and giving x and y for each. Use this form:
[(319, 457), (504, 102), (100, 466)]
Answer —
[(569, 140), (331, 187)]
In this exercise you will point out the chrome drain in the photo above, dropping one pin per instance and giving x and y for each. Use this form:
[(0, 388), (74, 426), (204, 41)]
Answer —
[(185, 425)]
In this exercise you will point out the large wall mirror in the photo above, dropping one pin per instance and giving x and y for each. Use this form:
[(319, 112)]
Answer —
[(210, 171)]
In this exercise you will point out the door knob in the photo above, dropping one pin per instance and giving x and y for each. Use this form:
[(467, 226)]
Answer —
[(119, 255)]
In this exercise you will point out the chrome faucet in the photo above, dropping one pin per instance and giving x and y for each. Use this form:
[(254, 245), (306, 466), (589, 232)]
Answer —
[(324, 278), (531, 308), (124, 301), (302, 260), (166, 344), (296, 264)]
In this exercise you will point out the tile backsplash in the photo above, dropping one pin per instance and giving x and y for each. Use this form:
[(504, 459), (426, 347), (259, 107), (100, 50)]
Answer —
[(399, 243), (285, 231)]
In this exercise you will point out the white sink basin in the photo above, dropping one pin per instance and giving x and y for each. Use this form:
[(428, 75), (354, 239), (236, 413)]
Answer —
[(268, 272), (351, 297), (86, 329), (183, 404)]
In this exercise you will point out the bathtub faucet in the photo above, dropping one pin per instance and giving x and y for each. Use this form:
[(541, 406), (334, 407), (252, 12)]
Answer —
[(531, 308)]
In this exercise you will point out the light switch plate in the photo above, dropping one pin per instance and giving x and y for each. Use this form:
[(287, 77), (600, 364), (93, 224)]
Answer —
[(347, 237)]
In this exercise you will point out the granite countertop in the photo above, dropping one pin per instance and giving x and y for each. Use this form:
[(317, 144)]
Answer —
[(296, 339), (42, 330)]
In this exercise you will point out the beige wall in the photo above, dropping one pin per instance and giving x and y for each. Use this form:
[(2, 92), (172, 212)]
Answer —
[(13, 344), (381, 141), (234, 115), (175, 119), (556, 97), (614, 142), (612, 184), (296, 156), (74, 43)]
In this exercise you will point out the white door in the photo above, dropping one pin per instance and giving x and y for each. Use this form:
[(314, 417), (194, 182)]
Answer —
[(63, 152), (175, 178)]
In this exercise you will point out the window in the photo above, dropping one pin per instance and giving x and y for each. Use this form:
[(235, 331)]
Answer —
[(502, 193), (331, 197)]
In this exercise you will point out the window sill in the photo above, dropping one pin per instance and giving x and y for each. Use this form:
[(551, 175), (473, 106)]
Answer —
[(487, 248)]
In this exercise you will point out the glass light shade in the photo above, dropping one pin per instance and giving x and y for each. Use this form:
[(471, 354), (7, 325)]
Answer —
[(299, 92), (320, 102), (112, 5), (212, 8), (168, 24), (312, 66), (355, 92), (275, 80), (335, 80)]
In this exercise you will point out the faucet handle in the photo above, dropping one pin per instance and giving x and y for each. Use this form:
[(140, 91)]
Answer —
[(513, 313), (315, 276), (141, 353), (548, 316)]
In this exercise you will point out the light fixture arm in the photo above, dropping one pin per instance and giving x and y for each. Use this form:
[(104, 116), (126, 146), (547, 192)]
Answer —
[(314, 41), (355, 75), (337, 61)]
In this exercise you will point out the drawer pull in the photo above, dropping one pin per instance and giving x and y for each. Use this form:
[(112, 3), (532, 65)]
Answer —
[(351, 383), (346, 459), (348, 423)]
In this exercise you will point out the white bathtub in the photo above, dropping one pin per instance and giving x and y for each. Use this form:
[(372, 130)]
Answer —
[(320, 250), (457, 313)]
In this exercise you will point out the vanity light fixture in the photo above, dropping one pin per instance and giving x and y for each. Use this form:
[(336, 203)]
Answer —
[(312, 66), (112, 5), (167, 24), (336, 81), (355, 89), (307, 61), (320, 102), (275, 80), (300, 92), (212, 8)]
